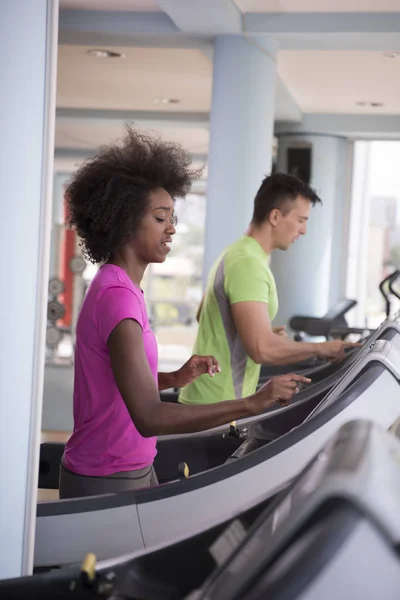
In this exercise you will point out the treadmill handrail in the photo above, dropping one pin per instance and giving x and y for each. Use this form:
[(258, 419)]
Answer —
[(320, 325), (395, 276), (382, 290)]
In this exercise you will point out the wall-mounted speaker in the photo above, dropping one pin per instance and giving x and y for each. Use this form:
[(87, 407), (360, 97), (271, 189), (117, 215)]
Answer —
[(299, 162)]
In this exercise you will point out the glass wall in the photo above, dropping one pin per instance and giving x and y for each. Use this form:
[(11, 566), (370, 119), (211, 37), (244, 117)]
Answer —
[(374, 228)]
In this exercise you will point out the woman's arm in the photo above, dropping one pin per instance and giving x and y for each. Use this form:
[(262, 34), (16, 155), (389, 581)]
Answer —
[(153, 417), (167, 381)]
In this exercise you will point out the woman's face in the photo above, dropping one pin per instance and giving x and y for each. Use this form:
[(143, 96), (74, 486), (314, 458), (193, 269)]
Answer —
[(154, 234)]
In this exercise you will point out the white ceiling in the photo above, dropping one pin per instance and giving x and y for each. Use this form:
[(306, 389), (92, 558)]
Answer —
[(295, 6), (333, 82), (134, 82), (111, 5), (319, 81), (246, 6)]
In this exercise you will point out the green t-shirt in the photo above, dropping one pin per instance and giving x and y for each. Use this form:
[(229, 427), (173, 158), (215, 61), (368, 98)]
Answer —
[(241, 274)]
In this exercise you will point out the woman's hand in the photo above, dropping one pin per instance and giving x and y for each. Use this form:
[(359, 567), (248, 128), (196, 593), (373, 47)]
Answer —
[(278, 389), (196, 366)]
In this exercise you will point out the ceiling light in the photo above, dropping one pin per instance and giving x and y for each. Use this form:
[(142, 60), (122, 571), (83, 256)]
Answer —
[(166, 100), (104, 53), (370, 104), (392, 55)]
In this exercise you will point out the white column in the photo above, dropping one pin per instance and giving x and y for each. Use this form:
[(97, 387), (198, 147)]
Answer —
[(359, 229), (241, 137), (311, 275), (28, 32)]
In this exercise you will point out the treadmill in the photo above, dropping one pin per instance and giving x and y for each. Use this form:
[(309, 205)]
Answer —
[(333, 532), (272, 452), (323, 377), (204, 450), (207, 453), (318, 369), (320, 327), (332, 325)]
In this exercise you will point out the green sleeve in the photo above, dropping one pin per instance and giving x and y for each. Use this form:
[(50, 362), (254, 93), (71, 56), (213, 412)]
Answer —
[(246, 280)]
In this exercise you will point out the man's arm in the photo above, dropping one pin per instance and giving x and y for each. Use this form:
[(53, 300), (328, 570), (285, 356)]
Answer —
[(265, 347)]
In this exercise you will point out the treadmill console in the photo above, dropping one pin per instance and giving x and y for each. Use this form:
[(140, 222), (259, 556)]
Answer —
[(343, 471), (378, 351)]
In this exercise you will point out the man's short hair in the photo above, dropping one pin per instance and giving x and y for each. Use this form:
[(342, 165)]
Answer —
[(279, 191)]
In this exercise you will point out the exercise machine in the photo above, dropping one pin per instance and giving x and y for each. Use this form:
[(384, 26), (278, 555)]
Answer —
[(268, 454), (333, 532)]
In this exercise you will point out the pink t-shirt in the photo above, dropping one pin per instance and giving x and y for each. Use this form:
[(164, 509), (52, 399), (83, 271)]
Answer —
[(105, 440)]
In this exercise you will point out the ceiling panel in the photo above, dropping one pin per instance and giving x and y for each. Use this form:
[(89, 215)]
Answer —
[(333, 82), (316, 6), (136, 81), (111, 5)]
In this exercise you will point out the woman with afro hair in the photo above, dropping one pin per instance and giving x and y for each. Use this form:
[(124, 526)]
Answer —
[(121, 203)]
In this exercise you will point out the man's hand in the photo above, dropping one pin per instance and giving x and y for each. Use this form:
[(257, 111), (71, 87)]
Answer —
[(334, 351), (278, 389), (196, 366), (280, 331)]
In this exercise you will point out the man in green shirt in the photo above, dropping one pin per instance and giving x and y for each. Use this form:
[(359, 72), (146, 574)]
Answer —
[(241, 299)]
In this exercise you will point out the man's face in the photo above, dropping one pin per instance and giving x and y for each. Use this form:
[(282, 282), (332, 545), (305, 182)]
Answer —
[(291, 224)]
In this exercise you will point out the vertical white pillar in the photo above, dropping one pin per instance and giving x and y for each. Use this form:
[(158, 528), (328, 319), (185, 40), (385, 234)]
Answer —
[(241, 137), (311, 275), (28, 32), (360, 215)]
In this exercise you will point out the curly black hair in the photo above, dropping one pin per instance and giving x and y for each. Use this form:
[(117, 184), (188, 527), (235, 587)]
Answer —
[(108, 195), (276, 191)]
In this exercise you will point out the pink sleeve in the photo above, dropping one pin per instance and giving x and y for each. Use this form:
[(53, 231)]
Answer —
[(114, 305)]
